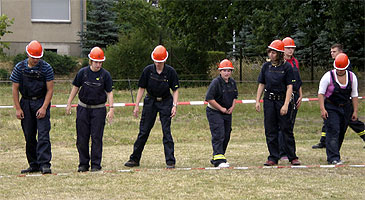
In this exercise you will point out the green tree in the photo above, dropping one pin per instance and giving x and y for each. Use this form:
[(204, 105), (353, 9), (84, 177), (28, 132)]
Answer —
[(198, 24), (5, 22), (101, 29)]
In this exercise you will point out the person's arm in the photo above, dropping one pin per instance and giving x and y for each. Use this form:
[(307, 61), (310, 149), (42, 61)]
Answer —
[(260, 90), (110, 114), (138, 99), (324, 113), (73, 93), (175, 97), (216, 105), (299, 101), (355, 103), (47, 100), (230, 110), (19, 112), (289, 91)]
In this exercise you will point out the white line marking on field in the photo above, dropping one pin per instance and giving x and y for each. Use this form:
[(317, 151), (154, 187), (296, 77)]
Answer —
[(327, 166)]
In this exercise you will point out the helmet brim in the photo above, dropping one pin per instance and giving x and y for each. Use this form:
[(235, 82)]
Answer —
[(334, 65), (164, 60), (275, 49), (97, 60)]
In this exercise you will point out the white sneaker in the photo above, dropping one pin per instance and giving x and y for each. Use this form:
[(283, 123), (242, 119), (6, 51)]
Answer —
[(223, 165)]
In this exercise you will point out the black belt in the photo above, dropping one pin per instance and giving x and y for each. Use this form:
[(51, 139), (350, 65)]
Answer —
[(274, 97), (158, 98), (32, 98), (337, 104)]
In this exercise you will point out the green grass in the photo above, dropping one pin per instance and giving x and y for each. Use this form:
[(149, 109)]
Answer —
[(192, 149)]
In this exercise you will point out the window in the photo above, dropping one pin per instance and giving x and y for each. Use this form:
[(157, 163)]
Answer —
[(51, 11)]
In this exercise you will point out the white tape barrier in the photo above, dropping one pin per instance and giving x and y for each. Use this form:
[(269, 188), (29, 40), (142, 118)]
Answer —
[(188, 169), (192, 103)]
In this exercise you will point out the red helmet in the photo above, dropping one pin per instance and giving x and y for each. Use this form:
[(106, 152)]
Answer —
[(277, 45), (225, 64), (288, 42), (159, 54), (341, 62), (34, 49), (97, 54)]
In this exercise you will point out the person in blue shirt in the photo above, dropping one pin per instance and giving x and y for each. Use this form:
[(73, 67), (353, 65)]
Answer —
[(94, 86), (221, 97), (33, 79), (276, 82)]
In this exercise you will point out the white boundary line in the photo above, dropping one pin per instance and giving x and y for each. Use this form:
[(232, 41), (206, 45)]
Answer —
[(188, 169), (192, 103)]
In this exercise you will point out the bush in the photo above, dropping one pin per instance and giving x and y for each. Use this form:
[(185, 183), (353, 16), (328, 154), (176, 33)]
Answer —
[(4, 75), (62, 65), (128, 57)]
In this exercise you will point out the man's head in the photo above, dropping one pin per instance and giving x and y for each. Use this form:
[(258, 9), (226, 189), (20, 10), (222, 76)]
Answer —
[(34, 51), (159, 54), (289, 47), (335, 50), (96, 58)]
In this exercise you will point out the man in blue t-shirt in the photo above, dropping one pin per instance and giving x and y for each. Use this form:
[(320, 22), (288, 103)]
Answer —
[(33, 78)]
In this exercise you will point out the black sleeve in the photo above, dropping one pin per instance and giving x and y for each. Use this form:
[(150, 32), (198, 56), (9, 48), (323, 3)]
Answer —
[(261, 78), (78, 78), (174, 82), (212, 90), (143, 80), (236, 90), (289, 75), (108, 82)]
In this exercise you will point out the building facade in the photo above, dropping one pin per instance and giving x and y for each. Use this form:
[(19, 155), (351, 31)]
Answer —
[(56, 24)]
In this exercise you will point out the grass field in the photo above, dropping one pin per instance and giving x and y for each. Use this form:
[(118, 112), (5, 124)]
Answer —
[(190, 130)]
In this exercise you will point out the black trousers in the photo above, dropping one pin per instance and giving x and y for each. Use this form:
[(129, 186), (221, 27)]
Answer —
[(274, 122), (357, 125), (293, 116), (149, 113), (220, 127), (336, 126), (38, 151), (90, 122)]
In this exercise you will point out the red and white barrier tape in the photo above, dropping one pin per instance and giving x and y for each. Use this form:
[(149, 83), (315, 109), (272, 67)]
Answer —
[(197, 168), (192, 103)]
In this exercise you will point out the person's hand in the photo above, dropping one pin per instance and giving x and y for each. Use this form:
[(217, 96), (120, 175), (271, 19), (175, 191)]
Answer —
[(257, 106), (68, 109), (136, 110), (299, 102), (324, 114), (110, 115), (173, 111), (224, 110), (19, 114), (230, 110), (354, 116), (284, 110), (40, 113)]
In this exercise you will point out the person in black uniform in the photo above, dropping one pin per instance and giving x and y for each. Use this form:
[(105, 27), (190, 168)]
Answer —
[(96, 88), (276, 79), (357, 125), (289, 48), (157, 79), (338, 101), (221, 97), (33, 78)]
